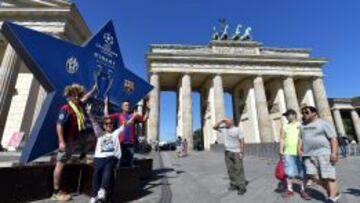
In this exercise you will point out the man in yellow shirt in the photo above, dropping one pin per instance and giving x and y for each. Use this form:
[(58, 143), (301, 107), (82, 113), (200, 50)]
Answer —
[(289, 138)]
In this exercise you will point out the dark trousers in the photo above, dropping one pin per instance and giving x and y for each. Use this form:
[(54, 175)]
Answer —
[(127, 155), (235, 170), (103, 173), (343, 150)]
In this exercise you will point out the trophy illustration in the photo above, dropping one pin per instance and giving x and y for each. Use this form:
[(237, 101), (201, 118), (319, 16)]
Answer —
[(103, 81)]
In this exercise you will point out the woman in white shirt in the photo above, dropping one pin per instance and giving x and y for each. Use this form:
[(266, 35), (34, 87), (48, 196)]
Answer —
[(107, 153)]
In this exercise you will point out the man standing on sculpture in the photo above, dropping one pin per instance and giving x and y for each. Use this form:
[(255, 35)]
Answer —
[(289, 139), (234, 154), (127, 137), (318, 147), (70, 130)]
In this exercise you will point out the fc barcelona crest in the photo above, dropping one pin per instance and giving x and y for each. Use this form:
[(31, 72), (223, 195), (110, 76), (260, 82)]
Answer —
[(129, 86)]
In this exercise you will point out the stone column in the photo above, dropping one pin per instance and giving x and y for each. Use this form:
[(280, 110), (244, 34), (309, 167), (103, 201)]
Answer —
[(154, 105), (236, 107), (219, 103), (29, 113), (290, 94), (338, 121), (39, 102), (265, 127), (321, 101), (356, 123), (244, 99), (185, 123), (8, 74), (304, 92)]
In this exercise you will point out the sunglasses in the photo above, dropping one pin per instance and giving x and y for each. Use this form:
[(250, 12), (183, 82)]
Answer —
[(305, 112), (108, 123)]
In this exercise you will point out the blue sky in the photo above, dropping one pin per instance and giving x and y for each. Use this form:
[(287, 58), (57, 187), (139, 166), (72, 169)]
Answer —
[(330, 28)]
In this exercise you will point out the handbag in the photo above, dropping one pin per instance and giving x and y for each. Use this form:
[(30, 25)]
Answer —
[(280, 170)]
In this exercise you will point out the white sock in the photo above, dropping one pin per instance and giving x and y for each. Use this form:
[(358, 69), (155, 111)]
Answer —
[(302, 186), (290, 188)]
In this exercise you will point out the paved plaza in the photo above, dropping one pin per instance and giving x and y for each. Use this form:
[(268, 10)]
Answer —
[(201, 177)]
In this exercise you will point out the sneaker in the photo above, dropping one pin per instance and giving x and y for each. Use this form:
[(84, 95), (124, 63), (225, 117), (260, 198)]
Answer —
[(61, 197), (329, 201), (93, 200), (309, 183), (232, 188), (101, 194), (242, 191), (287, 194), (304, 195), (336, 198)]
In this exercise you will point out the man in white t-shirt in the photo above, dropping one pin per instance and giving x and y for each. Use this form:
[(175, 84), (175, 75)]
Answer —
[(234, 154)]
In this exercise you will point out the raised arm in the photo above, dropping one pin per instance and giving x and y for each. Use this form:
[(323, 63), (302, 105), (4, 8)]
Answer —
[(88, 95), (96, 127), (217, 125), (106, 106), (146, 115), (121, 128)]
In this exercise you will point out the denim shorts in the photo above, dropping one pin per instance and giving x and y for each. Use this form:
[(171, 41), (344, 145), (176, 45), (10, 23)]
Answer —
[(293, 166)]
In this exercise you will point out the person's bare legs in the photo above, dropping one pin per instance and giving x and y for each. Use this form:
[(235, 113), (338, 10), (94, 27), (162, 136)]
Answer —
[(329, 185), (332, 188), (57, 174)]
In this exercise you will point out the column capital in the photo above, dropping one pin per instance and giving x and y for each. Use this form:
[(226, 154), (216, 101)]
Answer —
[(287, 76), (317, 77), (217, 74), (154, 73)]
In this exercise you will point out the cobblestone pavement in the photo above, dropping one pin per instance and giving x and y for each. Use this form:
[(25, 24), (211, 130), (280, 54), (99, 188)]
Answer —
[(201, 177)]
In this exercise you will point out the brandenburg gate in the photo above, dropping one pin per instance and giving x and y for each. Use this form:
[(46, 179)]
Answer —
[(263, 82)]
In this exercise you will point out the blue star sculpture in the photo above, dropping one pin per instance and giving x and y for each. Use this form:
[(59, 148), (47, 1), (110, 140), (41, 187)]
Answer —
[(57, 63)]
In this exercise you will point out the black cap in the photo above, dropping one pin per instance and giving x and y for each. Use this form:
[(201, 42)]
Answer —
[(289, 112)]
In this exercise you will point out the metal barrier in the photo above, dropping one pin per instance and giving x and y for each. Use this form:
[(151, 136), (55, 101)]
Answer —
[(263, 150)]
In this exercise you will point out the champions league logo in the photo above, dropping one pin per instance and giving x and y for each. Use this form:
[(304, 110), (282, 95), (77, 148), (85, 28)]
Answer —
[(72, 65)]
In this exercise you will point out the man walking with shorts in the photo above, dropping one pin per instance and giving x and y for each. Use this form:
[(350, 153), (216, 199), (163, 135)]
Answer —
[(318, 147)]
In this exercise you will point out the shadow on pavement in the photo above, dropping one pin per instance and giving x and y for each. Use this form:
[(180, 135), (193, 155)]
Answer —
[(353, 191)]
